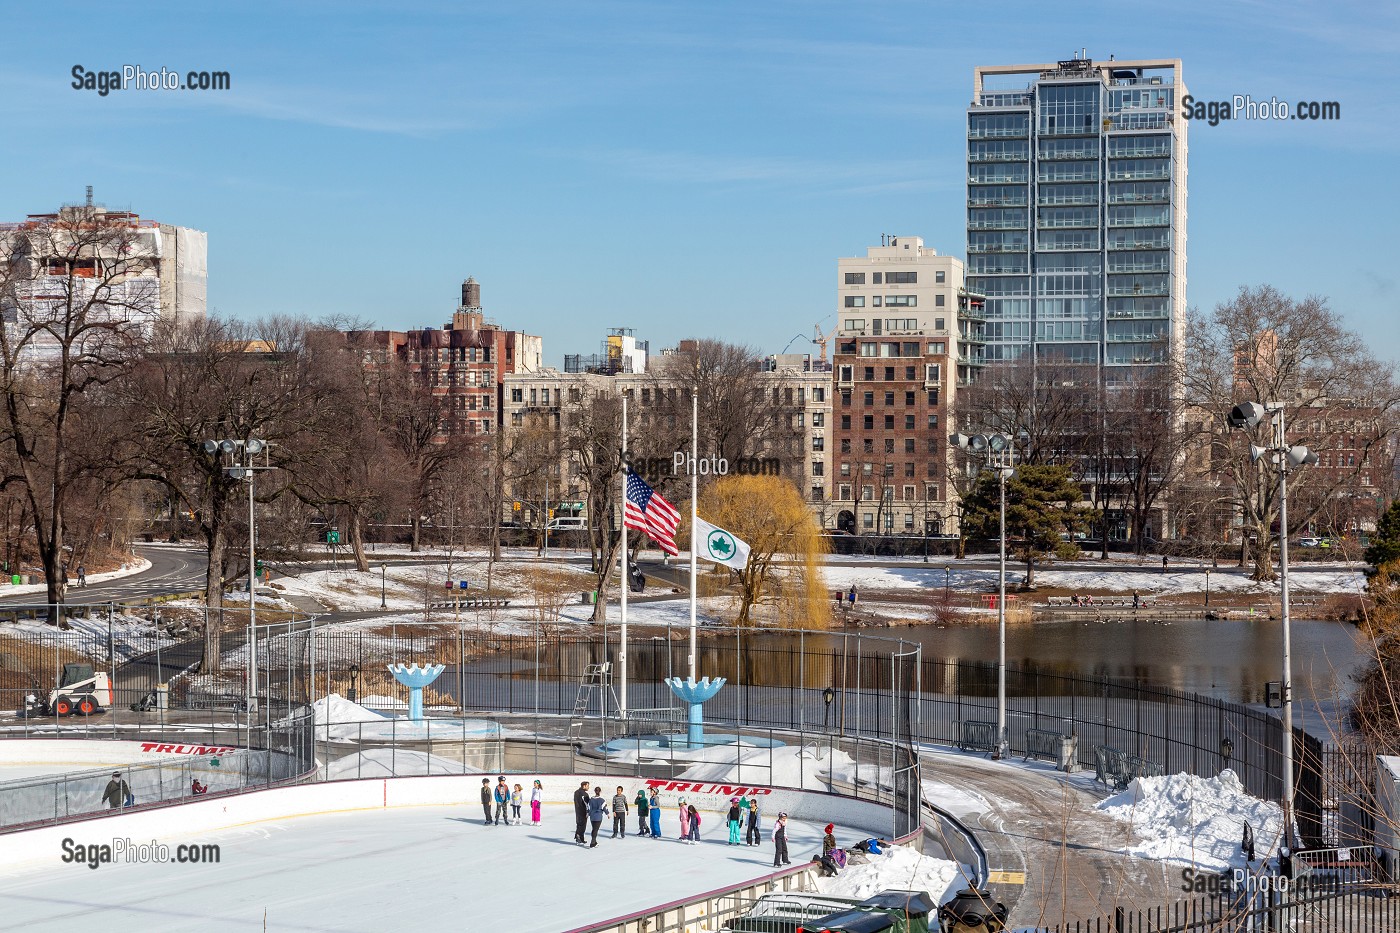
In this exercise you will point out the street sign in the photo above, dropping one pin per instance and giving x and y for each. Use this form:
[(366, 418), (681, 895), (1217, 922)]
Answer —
[(333, 536), (462, 584)]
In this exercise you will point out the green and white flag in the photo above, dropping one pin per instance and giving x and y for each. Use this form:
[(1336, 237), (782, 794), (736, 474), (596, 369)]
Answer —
[(720, 546)]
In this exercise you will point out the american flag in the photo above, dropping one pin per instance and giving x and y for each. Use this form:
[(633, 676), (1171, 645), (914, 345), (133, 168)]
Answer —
[(646, 511)]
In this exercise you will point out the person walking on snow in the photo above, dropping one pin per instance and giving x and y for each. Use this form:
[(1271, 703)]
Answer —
[(734, 815), (502, 801), (751, 833), (643, 812), (655, 803), (780, 850), (619, 814), (580, 812), (597, 806), (536, 801), (486, 799), (685, 821)]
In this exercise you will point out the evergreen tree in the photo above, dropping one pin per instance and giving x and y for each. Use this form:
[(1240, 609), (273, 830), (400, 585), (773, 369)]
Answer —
[(1040, 506), (1385, 543)]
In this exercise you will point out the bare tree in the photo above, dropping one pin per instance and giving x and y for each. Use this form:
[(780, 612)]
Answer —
[(76, 291), (1143, 442), (1266, 347), (593, 438)]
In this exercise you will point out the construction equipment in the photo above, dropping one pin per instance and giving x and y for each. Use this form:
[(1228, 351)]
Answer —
[(821, 340), (80, 691)]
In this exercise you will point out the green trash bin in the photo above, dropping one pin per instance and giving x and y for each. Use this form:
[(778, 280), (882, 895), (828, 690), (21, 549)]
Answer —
[(15, 580)]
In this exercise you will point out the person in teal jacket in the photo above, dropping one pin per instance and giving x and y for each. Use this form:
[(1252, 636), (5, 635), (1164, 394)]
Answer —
[(643, 813), (734, 817), (654, 802)]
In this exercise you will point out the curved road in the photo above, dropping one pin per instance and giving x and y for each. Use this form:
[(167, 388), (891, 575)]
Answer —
[(174, 569)]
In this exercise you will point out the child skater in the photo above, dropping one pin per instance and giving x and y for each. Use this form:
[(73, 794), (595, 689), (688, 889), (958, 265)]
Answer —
[(685, 821), (655, 814), (536, 800), (694, 825), (517, 797)]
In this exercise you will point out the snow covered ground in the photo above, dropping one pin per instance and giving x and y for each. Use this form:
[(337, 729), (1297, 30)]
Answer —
[(1186, 580), (340, 719), (1195, 821), (381, 870), (135, 565), (900, 868)]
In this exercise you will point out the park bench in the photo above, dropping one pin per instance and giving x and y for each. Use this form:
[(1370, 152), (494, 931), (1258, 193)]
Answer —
[(472, 602), (974, 736)]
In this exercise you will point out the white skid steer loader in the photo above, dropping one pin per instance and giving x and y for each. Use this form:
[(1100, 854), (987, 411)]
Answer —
[(80, 691)]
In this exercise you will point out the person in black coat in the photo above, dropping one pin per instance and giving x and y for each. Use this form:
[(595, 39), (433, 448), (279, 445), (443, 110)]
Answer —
[(780, 847), (580, 811), (486, 799)]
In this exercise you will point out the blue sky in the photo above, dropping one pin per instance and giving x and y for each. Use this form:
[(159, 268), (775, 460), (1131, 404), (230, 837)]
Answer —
[(681, 169)]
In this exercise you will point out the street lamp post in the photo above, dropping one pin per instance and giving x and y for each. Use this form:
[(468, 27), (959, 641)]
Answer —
[(997, 450), (383, 586), (250, 448), (1246, 416)]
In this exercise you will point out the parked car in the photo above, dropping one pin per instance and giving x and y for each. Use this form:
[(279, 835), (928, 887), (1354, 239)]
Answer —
[(568, 524), (1310, 542)]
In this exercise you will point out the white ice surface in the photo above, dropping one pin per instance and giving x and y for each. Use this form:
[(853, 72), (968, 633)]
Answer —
[(387, 870), (1181, 579)]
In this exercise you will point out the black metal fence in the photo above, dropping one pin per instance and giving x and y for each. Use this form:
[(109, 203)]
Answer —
[(852, 683), (1321, 909)]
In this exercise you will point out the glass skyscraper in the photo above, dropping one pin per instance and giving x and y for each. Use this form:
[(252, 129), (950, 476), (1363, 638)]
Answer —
[(1076, 213)]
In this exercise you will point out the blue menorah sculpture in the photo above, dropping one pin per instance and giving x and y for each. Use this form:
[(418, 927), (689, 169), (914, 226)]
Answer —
[(415, 678), (695, 692)]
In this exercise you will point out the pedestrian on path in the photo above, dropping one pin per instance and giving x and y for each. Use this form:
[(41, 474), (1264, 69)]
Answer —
[(597, 806), (1164, 563), (580, 812), (655, 803), (502, 801), (780, 849), (643, 812), (82, 575), (536, 801), (751, 833), (619, 814), (486, 799)]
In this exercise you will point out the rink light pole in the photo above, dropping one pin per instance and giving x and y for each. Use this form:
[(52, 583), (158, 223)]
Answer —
[(249, 448), (997, 451), (1247, 416)]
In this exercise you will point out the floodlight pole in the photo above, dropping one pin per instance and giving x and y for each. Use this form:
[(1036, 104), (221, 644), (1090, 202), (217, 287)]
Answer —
[(1287, 689), (1001, 619)]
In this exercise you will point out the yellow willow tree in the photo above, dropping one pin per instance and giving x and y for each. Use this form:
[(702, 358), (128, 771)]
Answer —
[(785, 546)]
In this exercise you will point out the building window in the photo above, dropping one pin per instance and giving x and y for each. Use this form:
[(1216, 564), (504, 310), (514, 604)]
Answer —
[(516, 419), (931, 492), (889, 471), (867, 468), (867, 493), (854, 301), (889, 398), (869, 373), (933, 422), (869, 422), (844, 491), (902, 301), (909, 398), (819, 443), (901, 278), (845, 445), (845, 374), (845, 469), (932, 469), (937, 349), (909, 497), (938, 278), (875, 302), (908, 422), (818, 468), (855, 278), (933, 372), (869, 518), (909, 374), (932, 445), (869, 348), (845, 422), (889, 374), (908, 445), (933, 398), (889, 422), (517, 395), (869, 399), (877, 277), (939, 323), (909, 474), (940, 301), (818, 420), (819, 394), (889, 445), (846, 398)]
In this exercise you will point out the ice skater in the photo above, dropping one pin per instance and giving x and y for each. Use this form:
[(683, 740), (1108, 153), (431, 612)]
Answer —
[(517, 797), (580, 812), (685, 821), (694, 825), (619, 814), (735, 812), (752, 836), (536, 800), (780, 850), (643, 812), (655, 803), (486, 799), (597, 806), (502, 801)]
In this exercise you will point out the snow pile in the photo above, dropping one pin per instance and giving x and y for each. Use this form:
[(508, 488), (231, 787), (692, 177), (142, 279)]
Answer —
[(899, 868), (335, 710), (393, 762), (342, 719), (1195, 821)]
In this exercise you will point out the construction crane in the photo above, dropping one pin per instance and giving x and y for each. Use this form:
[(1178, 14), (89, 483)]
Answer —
[(821, 340)]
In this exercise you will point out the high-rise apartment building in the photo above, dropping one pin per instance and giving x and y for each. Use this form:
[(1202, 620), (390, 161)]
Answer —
[(897, 333), (1076, 212)]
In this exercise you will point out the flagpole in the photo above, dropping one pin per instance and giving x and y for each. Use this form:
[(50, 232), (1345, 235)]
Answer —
[(622, 576), (694, 497)]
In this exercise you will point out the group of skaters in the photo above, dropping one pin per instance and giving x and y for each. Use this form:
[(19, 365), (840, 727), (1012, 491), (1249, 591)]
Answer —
[(508, 801)]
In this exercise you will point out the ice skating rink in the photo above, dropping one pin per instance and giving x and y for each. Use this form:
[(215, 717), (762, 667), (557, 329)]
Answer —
[(382, 870)]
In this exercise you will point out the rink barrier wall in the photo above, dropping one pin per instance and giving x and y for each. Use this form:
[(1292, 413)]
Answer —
[(40, 846)]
